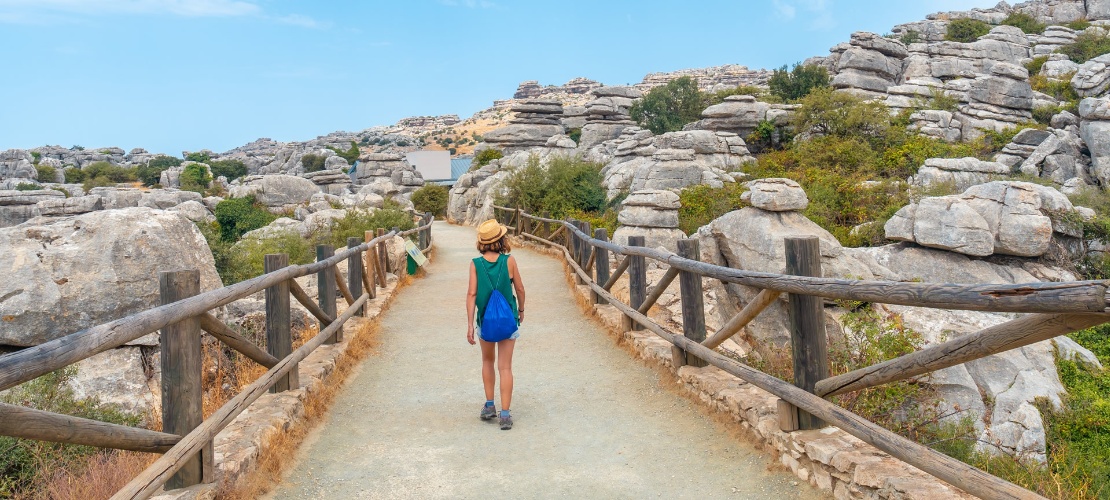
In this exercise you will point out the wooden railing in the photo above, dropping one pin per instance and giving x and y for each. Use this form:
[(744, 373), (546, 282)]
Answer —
[(1060, 308), (186, 440)]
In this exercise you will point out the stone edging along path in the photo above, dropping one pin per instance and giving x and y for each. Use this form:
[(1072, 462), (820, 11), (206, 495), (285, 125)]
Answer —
[(829, 459), (240, 445)]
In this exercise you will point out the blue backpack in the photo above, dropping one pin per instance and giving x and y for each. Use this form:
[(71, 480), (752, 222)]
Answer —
[(498, 321)]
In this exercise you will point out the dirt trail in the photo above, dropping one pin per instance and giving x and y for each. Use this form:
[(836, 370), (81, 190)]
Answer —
[(591, 421)]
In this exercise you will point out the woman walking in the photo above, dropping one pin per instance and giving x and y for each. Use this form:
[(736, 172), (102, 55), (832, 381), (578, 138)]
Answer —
[(495, 271)]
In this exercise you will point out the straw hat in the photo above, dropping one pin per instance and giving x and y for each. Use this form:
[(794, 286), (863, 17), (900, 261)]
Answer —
[(490, 231)]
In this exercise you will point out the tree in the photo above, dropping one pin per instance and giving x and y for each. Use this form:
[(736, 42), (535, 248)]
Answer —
[(839, 114), (799, 82), (431, 198), (151, 173), (231, 168), (195, 178), (313, 163), (966, 30), (670, 107)]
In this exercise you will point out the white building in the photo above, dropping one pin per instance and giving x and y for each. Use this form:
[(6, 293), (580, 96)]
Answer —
[(432, 165)]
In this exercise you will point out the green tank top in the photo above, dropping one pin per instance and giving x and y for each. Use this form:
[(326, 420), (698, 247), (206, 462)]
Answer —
[(498, 278)]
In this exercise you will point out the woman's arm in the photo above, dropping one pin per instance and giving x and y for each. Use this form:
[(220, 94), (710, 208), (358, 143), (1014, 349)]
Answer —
[(471, 299), (518, 287)]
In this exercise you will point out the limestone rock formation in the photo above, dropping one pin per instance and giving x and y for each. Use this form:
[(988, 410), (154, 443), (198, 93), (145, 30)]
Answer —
[(333, 181), (652, 214), (674, 160), (71, 273), (535, 121), (776, 195), (1093, 77), (276, 192), (962, 173), (1095, 129), (16, 164), (17, 207), (869, 64), (741, 114), (608, 114), (70, 206)]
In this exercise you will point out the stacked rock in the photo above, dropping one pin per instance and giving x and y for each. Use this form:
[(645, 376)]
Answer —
[(674, 160), (574, 117), (1042, 153), (536, 121), (997, 101), (652, 214), (60, 207), (389, 172), (16, 164), (741, 114), (608, 114), (1053, 39), (869, 64), (776, 195), (960, 172), (1093, 77), (945, 61), (1001, 217), (335, 182), (1095, 129), (17, 207)]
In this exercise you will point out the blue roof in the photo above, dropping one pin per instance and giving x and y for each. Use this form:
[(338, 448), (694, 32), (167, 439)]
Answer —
[(459, 166)]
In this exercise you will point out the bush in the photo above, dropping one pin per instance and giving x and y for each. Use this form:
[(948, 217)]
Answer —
[(104, 174), (1025, 22), (198, 156), (74, 175), (1035, 65), (351, 154), (1079, 25), (910, 36), (966, 30), (36, 157), (313, 163), (151, 173), (1087, 46), (246, 258), (431, 198), (938, 99), (799, 82), (575, 135), (485, 156), (195, 178), (27, 186), (357, 222), (46, 173), (826, 112), (670, 107), (567, 184), (231, 169), (701, 204), (237, 216), (24, 462), (719, 96)]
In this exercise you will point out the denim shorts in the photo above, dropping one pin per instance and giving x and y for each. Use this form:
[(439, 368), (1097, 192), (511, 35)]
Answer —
[(514, 336)]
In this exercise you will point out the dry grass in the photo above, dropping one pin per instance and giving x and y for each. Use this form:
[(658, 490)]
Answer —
[(101, 477)]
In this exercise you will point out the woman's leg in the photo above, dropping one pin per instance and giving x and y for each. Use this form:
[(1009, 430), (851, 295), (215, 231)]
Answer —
[(488, 350), (505, 370)]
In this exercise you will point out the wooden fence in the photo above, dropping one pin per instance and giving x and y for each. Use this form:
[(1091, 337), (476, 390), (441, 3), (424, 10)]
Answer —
[(1060, 308), (186, 440)]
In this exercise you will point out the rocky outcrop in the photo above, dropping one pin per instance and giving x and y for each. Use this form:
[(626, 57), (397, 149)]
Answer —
[(17, 207), (60, 207), (998, 101), (608, 114), (336, 182), (674, 160), (652, 214), (16, 164), (386, 175), (741, 114), (531, 89), (1053, 154), (711, 79), (1001, 217), (961, 173), (1095, 130), (276, 192), (776, 195), (869, 64), (75, 272), (535, 121)]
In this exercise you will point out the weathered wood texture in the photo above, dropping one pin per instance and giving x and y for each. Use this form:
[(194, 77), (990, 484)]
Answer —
[(637, 281), (279, 331), (325, 288), (601, 263), (383, 258), (28, 423), (341, 283), (736, 323), (657, 290), (182, 389), (948, 469), (368, 279), (311, 305), (354, 271), (999, 338), (225, 334), (693, 302), (806, 314), (150, 480), (622, 267)]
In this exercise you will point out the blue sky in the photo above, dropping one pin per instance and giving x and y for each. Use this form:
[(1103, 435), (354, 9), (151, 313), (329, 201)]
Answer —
[(173, 75)]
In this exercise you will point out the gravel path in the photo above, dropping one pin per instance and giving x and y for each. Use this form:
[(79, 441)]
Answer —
[(591, 421)]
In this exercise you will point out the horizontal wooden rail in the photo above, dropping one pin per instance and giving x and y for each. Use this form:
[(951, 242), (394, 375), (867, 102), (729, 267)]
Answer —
[(999, 338), (939, 465), (28, 423), (1076, 296), (33, 362), (150, 481)]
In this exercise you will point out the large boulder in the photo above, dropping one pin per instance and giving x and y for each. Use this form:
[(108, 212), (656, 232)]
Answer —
[(67, 274), (16, 164), (962, 173), (652, 214), (1093, 77), (17, 207), (278, 192), (776, 195), (1095, 129)]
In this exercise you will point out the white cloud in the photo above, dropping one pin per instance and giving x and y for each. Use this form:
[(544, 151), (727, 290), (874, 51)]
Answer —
[(784, 9)]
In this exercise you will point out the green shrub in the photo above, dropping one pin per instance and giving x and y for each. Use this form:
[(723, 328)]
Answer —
[(798, 82), (765, 136), (195, 178), (198, 156), (1025, 22), (485, 156), (36, 157), (23, 462), (910, 36), (1079, 25), (966, 30), (1087, 46), (701, 204), (1035, 65), (719, 96), (351, 154), (151, 173), (431, 198), (670, 107), (27, 186), (575, 134), (1059, 89), (313, 163), (826, 112), (104, 174), (567, 184), (231, 168), (938, 99), (46, 173), (356, 222), (74, 175), (245, 259), (237, 216)]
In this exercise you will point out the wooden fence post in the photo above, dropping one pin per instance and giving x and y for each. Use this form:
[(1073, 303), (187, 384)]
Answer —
[(807, 323), (368, 266), (546, 226), (601, 264), (519, 222), (279, 335), (383, 258), (354, 272), (693, 303), (637, 281), (182, 388), (325, 289)]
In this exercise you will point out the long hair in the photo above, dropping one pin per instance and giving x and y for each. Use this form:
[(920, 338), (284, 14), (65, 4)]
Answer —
[(499, 246)]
